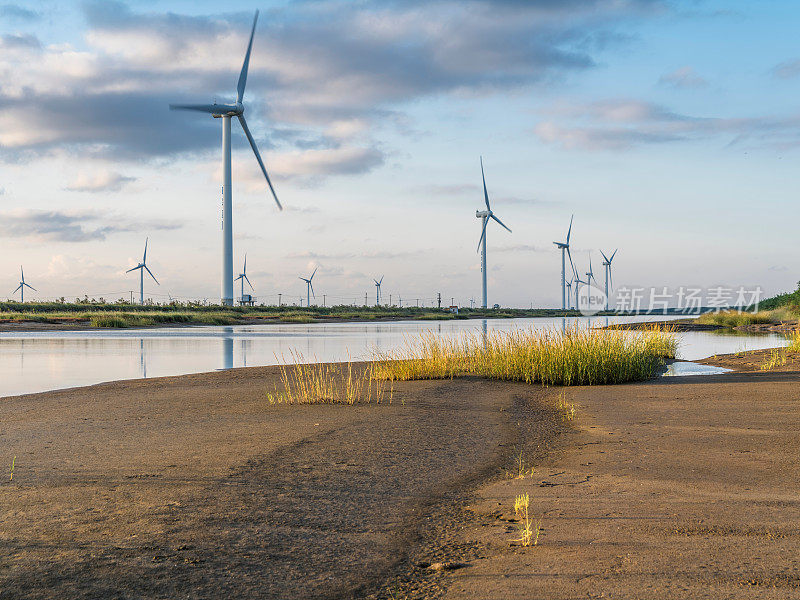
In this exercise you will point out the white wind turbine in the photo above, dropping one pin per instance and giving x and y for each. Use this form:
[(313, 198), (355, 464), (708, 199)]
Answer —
[(607, 265), (309, 287), (142, 267), (590, 273), (564, 246), (22, 285), (225, 112), (243, 277), (569, 292), (484, 216), (378, 290)]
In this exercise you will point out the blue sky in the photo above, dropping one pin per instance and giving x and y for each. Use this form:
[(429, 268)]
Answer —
[(669, 129)]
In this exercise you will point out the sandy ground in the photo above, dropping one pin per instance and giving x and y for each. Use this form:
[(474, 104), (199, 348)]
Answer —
[(193, 487), (685, 487), (756, 361)]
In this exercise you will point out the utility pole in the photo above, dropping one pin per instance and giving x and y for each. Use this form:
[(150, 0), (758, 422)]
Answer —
[(365, 298), (439, 299), (390, 299), (279, 300), (417, 302), (131, 296), (452, 301), (323, 300), (401, 302)]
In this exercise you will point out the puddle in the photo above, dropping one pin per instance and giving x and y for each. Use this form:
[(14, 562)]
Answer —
[(683, 368)]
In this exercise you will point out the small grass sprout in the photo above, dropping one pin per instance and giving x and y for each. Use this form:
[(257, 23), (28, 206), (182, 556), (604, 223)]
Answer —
[(777, 358), (520, 470), (794, 342), (13, 461), (529, 531), (566, 409)]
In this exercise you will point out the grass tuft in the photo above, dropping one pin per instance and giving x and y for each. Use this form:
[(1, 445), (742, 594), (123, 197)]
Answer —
[(329, 383), (528, 530), (13, 461), (577, 356)]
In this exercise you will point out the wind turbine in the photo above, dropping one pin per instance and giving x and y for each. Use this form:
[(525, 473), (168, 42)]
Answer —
[(22, 285), (225, 112), (243, 277), (309, 287), (484, 216), (564, 246), (569, 292), (142, 267), (378, 291), (590, 274), (607, 265)]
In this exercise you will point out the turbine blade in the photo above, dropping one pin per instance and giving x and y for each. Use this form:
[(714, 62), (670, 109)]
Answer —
[(485, 193), (134, 268), (501, 223), (604, 255), (144, 256), (313, 295), (30, 286), (483, 234), (314, 273), (258, 158), (613, 255), (248, 282), (213, 109), (381, 281), (569, 231), (17, 289), (243, 74), (151, 274), (244, 270)]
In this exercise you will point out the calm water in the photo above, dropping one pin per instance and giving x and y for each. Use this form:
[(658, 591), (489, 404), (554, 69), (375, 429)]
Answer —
[(35, 362)]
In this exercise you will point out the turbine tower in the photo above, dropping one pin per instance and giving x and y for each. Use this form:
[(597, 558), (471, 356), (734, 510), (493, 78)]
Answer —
[(225, 112), (564, 246), (484, 216), (569, 292), (378, 290), (243, 277), (22, 285), (309, 287), (607, 265), (142, 267)]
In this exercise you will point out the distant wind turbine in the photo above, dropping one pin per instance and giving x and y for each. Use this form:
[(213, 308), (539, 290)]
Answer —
[(484, 216), (142, 267), (309, 287), (22, 285), (609, 279), (564, 246), (378, 290), (569, 292), (226, 111), (243, 277), (590, 273)]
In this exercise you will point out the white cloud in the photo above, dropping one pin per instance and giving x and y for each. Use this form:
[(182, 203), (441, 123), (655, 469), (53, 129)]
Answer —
[(99, 181)]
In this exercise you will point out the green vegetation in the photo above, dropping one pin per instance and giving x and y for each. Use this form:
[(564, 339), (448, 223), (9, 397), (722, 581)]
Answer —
[(574, 357), (790, 301), (735, 318), (122, 314)]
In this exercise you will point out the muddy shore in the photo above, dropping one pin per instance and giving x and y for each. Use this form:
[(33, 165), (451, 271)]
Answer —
[(191, 486)]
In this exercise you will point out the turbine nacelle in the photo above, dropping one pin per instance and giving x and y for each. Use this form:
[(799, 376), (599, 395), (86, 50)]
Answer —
[(483, 214)]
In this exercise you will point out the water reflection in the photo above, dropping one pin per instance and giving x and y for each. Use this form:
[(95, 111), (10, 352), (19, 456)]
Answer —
[(38, 361)]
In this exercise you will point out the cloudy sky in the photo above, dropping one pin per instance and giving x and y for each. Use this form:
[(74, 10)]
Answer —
[(671, 129)]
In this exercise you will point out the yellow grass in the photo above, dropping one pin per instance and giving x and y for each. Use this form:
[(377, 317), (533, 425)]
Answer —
[(13, 460), (794, 343), (577, 356), (329, 383), (529, 531)]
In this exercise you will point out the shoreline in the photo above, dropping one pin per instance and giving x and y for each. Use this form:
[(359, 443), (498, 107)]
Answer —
[(194, 484)]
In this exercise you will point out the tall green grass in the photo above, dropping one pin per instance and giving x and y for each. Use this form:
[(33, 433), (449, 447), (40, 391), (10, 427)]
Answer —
[(735, 318), (577, 356)]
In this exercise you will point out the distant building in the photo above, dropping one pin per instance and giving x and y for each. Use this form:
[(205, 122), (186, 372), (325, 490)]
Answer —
[(454, 309)]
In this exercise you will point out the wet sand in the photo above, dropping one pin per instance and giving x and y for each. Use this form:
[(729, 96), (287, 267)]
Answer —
[(191, 486), (195, 487), (684, 487)]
